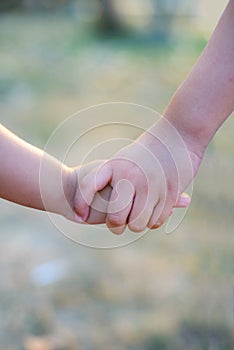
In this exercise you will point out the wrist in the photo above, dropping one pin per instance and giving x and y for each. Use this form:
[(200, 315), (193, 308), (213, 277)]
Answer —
[(69, 183), (187, 121), (60, 191), (193, 140), (174, 146)]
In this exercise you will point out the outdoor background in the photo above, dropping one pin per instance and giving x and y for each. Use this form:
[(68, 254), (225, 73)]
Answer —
[(163, 292)]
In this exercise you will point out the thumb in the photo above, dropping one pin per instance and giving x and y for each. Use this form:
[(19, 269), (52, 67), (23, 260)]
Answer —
[(93, 182)]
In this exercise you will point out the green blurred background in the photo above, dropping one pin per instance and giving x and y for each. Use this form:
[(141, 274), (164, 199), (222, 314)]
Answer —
[(162, 292)]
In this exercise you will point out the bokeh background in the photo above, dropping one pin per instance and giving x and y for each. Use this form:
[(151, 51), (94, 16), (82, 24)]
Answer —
[(164, 292)]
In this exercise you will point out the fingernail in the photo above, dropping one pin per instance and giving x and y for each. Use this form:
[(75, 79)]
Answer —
[(185, 195), (79, 219), (185, 199)]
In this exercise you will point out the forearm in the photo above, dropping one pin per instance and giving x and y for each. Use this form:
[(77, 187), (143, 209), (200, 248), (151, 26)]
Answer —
[(20, 174), (32, 178), (206, 97)]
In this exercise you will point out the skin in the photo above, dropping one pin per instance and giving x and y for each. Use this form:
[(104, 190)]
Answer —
[(143, 175), (20, 180)]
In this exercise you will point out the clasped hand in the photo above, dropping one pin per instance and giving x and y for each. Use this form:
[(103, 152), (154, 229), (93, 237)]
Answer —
[(138, 187)]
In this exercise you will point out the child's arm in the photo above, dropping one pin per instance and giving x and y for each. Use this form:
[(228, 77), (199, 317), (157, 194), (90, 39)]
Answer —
[(19, 173), (206, 98), (197, 110), (20, 178)]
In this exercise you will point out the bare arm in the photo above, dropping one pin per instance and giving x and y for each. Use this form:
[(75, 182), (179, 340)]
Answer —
[(19, 174), (154, 163), (206, 98), (20, 164)]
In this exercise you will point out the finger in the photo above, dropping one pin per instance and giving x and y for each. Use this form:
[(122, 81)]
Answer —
[(74, 218), (183, 201), (160, 214), (120, 206), (168, 209), (164, 216), (99, 216), (141, 212), (95, 181), (163, 210)]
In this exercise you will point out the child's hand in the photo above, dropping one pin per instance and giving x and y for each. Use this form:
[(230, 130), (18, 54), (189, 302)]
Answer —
[(145, 181), (99, 216), (76, 175)]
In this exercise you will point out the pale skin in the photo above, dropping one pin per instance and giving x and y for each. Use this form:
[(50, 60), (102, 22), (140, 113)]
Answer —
[(197, 110), (20, 179)]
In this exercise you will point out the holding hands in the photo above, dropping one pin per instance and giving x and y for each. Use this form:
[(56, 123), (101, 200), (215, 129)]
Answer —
[(143, 182), (149, 176)]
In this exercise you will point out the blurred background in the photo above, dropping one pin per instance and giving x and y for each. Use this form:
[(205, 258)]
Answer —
[(164, 292)]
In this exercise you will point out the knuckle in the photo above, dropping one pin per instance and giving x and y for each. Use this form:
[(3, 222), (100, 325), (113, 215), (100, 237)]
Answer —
[(80, 205), (157, 224), (115, 220), (77, 204), (79, 210), (154, 226), (118, 230), (136, 227)]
